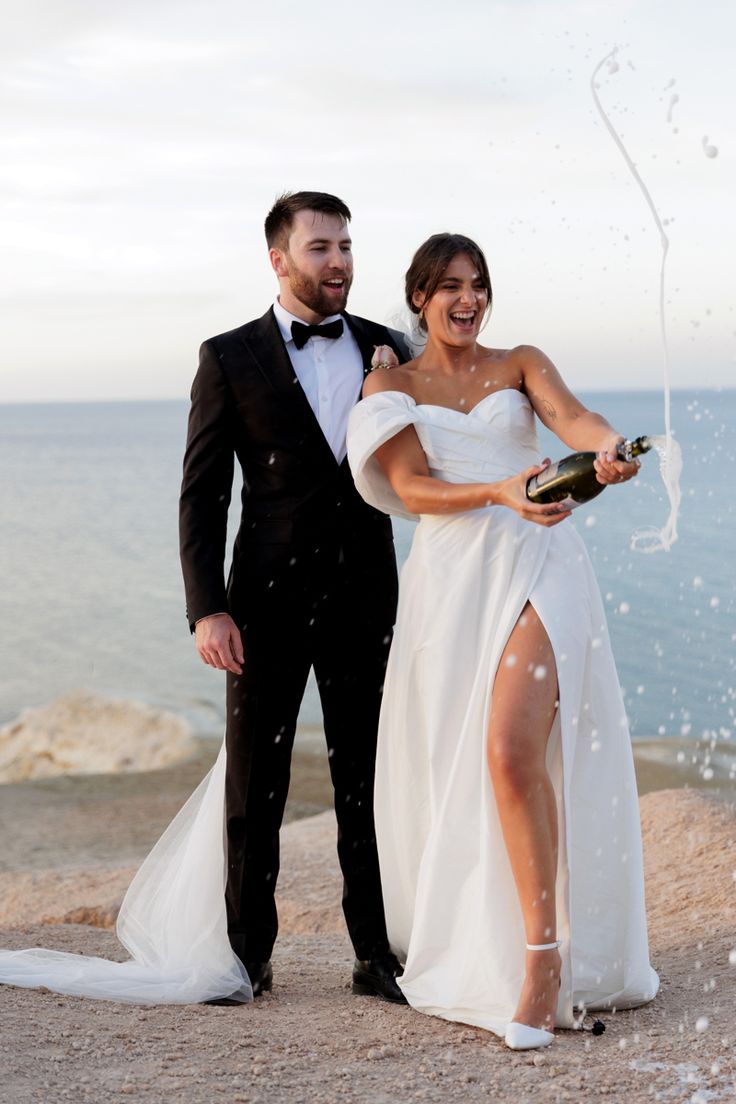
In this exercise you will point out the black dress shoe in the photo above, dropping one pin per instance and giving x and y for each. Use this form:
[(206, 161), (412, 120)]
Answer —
[(261, 976), (376, 977), (261, 980)]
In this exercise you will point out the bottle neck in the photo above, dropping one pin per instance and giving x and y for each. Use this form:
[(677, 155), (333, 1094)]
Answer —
[(627, 450)]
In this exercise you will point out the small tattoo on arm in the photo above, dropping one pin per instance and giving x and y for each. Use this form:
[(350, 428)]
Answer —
[(548, 409)]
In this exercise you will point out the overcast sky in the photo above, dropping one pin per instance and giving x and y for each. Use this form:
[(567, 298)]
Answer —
[(143, 143)]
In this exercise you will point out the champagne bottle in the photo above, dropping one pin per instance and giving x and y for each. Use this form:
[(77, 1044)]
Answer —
[(572, 480)]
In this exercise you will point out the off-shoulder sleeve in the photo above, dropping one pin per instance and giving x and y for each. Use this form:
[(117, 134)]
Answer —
[(373, 421)]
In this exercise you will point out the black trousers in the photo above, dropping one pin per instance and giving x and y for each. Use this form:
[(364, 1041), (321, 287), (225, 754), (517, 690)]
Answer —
[(314, 615)]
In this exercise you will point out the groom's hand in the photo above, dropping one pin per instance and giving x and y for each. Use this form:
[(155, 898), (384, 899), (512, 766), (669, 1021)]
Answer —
[(219, 644)]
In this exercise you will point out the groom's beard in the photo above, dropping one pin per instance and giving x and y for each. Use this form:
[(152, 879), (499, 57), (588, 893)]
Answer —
[(311, 293)]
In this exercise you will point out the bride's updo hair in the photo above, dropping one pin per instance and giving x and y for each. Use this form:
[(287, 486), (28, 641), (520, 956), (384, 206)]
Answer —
[(430, 262)]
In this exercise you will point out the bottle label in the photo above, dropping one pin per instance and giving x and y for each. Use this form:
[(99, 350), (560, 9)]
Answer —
[(548, 474)]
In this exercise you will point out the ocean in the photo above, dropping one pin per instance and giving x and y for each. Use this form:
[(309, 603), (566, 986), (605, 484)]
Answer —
[(92, 597)]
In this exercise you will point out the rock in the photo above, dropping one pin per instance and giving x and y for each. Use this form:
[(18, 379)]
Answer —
[(84, 734)]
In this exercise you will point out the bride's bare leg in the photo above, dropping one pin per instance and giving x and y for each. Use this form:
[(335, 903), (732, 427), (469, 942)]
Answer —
[(523, 706)]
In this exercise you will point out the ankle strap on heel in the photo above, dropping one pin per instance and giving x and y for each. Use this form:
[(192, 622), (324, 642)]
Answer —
[(544, 946)]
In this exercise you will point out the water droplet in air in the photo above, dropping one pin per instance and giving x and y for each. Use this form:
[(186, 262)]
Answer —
[(624, 607), (590, 521), (714, 602), (511, 660), (732, 957), (701, 1024), (540, 672), (708, 149)]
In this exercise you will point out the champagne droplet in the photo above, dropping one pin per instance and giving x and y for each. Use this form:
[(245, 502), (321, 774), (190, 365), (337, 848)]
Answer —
[(708, 149)]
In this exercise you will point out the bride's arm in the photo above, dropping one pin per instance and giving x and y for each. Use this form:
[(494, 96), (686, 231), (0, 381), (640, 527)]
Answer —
[(582, 429), (404, 461)]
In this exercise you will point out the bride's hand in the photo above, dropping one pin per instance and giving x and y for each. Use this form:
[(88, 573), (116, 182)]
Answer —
[(608, 467), (512, 493)]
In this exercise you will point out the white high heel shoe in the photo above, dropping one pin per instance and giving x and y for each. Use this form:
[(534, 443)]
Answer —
[(520, 1036)]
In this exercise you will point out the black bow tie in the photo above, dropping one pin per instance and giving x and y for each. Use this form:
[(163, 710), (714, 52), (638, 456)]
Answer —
[(301, 333)]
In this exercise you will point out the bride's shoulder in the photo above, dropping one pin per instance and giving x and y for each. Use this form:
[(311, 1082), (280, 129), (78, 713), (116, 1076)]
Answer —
[(517, 353), (388, 379), (523, 363), (528, 355)]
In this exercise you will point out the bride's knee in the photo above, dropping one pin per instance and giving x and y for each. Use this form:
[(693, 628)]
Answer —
[(512, 764)]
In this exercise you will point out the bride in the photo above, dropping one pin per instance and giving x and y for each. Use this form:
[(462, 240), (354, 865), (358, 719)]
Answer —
[(506, 804)]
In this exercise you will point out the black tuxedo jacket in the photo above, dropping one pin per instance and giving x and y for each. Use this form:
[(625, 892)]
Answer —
[(247, 402)]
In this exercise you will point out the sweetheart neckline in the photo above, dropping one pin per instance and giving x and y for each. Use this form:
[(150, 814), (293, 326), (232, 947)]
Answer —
[(452, 409), (467, 413)]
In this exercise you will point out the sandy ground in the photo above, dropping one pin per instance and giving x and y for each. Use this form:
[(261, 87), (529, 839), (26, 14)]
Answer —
[(312, 1040)]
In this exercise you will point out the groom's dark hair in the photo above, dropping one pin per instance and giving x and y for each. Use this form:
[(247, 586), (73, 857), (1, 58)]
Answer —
[(280, 218)]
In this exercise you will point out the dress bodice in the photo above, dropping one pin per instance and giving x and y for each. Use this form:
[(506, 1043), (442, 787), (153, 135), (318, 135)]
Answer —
[(495, 439)]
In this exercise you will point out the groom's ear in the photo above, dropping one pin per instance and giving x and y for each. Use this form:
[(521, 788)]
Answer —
[(278, 262)]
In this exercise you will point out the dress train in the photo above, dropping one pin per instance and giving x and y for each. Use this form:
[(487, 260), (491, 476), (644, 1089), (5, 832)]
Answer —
[(172, 922)]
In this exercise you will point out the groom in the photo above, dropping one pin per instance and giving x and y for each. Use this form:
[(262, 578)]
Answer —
[(313, 578)]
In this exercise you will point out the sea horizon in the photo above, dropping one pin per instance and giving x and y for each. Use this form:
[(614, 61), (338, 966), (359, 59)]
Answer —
[(96, 600), (184, 397)]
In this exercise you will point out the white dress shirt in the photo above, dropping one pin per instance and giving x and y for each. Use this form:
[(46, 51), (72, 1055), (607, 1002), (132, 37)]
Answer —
[(330, 371)]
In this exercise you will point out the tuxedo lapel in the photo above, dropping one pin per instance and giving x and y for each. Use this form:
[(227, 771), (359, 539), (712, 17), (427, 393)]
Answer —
[(267, 350), (363, 341)]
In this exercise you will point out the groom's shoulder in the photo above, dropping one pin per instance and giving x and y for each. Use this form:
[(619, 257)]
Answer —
[(379, 334), (232, 341)]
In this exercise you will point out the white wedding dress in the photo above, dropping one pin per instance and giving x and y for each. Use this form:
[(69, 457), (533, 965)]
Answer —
[(172, 922), (451, 905)]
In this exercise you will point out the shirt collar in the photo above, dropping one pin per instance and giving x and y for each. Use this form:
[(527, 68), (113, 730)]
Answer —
[(284, 319)]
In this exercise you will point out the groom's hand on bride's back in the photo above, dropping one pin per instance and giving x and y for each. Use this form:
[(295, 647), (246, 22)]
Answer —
[(219, 643)]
